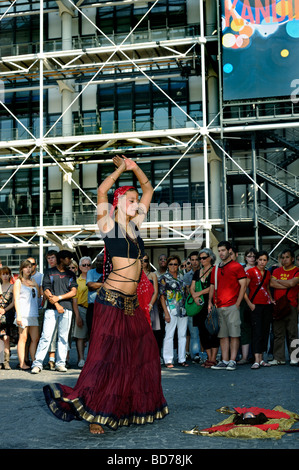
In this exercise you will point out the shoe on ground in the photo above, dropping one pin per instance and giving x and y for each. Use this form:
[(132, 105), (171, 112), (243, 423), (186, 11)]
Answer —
[(220, 366), (231, 365), (51, 365), (61, 369), (275, 362), (255, 366), (242, 361), (294, 363), (35, 370), (196, 359), (81, 363)]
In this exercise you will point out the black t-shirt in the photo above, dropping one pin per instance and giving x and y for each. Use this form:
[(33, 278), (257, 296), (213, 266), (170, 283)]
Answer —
[(59, 283)]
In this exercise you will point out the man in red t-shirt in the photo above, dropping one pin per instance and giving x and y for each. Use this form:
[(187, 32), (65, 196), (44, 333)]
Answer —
[(231, 286), (285, 281)]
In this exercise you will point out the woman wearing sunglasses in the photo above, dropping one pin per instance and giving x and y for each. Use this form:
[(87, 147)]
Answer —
[(26, 293), (172, 298), (208, 342)]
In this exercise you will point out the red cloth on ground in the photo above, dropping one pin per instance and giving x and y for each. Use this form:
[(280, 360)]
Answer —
[(228, 427), (271, 414)]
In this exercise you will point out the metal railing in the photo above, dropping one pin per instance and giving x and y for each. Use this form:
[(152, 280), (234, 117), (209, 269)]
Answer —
[(284, 178), (158, 213), (104, 127), (95, 41), (236, 113)]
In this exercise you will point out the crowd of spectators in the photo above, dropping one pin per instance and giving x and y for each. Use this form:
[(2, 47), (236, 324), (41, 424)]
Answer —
[(44, 314)]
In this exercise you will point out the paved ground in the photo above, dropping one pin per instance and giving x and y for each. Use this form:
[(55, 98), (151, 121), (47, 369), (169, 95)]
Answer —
[(193, 395)]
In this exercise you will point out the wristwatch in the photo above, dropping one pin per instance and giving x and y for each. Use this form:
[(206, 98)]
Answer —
[(59, 297)]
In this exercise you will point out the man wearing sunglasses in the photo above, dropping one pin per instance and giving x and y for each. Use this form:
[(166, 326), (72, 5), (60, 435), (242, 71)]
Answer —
[(162, 262), (36, 275), (59, 287), (231, 287)]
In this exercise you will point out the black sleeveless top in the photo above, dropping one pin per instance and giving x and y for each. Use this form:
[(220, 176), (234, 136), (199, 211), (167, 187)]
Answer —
[(118, 243)]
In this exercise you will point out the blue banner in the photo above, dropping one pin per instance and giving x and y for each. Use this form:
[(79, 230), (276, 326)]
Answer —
[(260, 48)]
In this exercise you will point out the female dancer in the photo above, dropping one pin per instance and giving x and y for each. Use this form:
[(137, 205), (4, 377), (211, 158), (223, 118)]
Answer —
[(120, 383)]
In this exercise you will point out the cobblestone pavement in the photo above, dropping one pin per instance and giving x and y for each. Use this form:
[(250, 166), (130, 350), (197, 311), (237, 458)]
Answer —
[(193, 395)]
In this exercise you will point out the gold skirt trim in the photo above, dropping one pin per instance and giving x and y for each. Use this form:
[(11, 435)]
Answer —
[(83, 414)]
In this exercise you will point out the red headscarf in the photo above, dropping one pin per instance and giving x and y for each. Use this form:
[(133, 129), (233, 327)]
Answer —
[(145, 289)]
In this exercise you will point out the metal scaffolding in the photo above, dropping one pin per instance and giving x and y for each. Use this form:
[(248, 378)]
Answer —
[(145, 57)]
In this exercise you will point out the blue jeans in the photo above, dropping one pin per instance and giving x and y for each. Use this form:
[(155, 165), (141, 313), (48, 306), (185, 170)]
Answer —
[(194, 348), (63, 325)]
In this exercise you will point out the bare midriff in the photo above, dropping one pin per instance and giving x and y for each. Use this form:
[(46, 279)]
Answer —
[(124, 276)]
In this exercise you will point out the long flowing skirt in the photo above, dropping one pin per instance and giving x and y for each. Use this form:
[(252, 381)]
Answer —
[(120, 383)]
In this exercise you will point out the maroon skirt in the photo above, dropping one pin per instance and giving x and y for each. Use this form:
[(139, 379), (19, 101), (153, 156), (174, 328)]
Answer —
[(120, 383)]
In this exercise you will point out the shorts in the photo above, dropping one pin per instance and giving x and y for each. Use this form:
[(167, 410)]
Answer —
[(229, 322), (31, 321), (81, 333)]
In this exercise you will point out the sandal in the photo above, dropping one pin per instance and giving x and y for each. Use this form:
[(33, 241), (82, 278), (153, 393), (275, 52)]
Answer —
[(183, 364), (265, 364), (210, 364), (169, 366), (255, 366)]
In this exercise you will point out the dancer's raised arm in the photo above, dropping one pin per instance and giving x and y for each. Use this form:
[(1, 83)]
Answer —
[(123, 164)]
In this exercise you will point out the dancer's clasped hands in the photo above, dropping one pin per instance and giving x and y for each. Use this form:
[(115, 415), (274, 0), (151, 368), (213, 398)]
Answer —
[(124, 163)]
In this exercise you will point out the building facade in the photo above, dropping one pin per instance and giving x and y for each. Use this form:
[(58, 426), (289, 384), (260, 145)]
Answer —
[(83, 81)]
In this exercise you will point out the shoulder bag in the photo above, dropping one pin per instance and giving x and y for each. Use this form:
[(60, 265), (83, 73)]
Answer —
[(259, 286), (211, 322), (192, 308)]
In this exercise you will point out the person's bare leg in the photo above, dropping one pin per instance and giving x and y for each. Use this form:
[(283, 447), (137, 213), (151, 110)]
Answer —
[(234, 347), (224, 346)]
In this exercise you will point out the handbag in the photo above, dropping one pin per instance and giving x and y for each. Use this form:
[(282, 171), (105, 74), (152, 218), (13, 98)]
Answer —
[(282, 307), (3, 321), (192, 308), (212, 322)]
